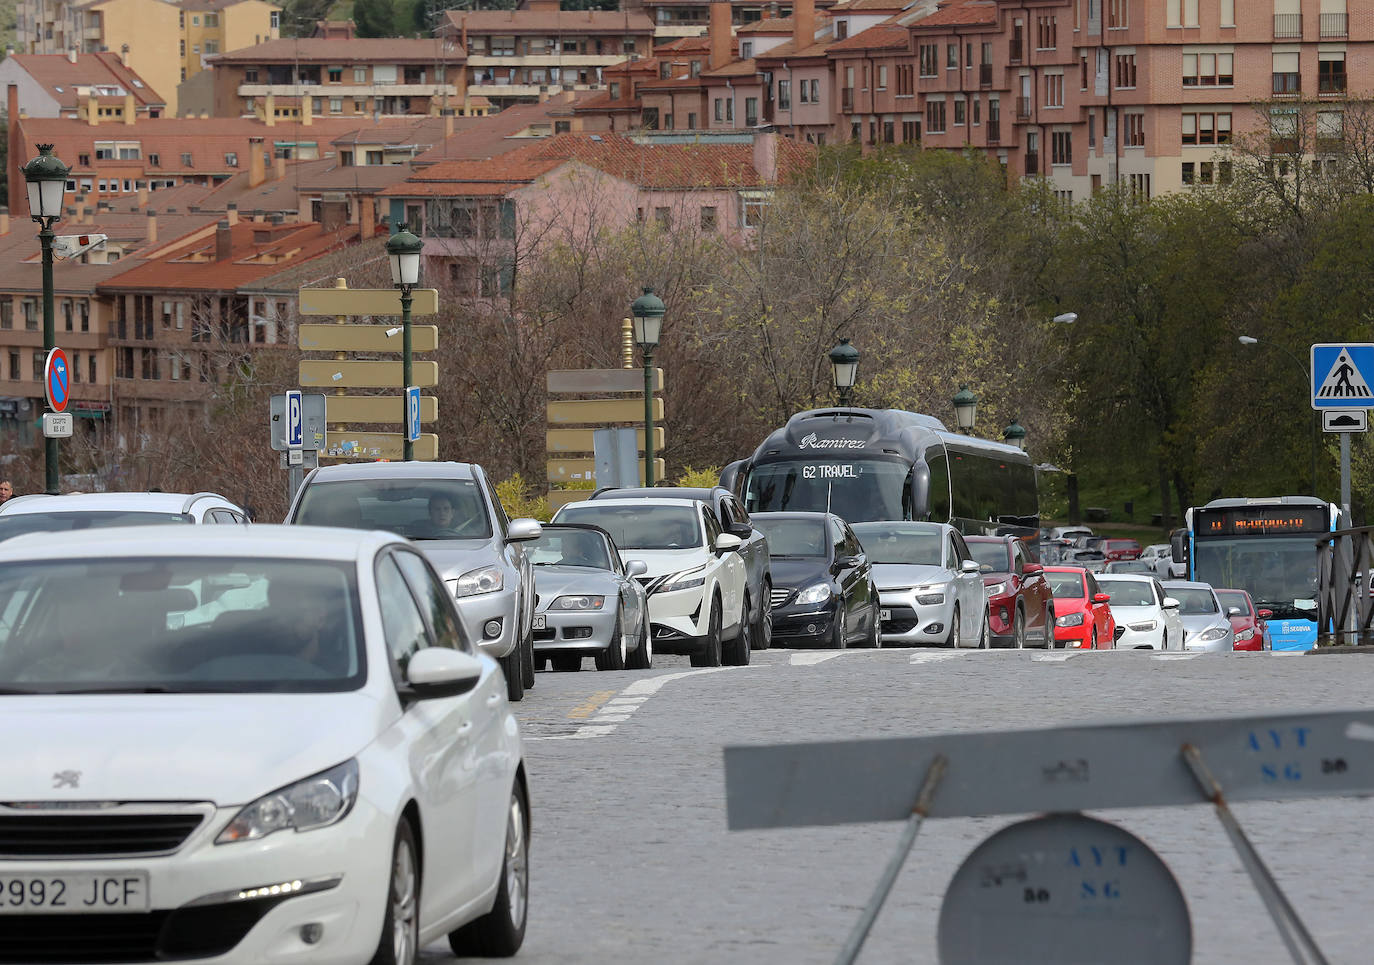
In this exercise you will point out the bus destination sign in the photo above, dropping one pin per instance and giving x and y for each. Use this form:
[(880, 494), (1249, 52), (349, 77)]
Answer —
[(1263, 521)]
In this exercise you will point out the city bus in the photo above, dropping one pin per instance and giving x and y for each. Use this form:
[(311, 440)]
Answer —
[(887, 464), (1266, 547)]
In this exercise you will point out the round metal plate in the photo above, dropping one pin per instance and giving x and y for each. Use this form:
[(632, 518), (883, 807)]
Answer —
[(1064, 888)]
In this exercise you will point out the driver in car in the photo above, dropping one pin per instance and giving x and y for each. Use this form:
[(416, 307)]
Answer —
[(441, 518)]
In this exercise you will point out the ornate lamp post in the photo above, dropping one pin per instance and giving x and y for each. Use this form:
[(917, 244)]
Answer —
[(404, 250), (647, 312), (965, 409), (844, 367), (47, 183), (1015, 434)]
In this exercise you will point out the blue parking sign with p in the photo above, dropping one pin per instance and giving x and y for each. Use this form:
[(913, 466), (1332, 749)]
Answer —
[(295, 420), (412, 413)]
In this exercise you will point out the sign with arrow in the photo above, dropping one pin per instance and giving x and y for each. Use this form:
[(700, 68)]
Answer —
[(1342, 374)]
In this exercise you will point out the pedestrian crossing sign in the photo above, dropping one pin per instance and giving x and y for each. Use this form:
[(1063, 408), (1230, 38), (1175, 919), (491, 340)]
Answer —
[(1342, 375)]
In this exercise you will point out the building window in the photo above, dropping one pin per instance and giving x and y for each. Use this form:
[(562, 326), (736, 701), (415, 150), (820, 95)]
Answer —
[(664, 218), (935, 117), (1118, 14), (68, 316), (753, 206), (6, 312), (751, 111), (336, 75), (930, 60), (708, 218), (911, 132), (30, 314), (360, 75), (186, 161), (38, 366), (1331, 73), (1135, 130), (1206, 128), (275, 22), (1212, 70), (1125, 70), (90, 367), (951, 56), (784, 95), (15, 374), (720, 109), (1054, 90), (76, 366), (882, 77), (250, 75), (231, 159), (83, 310), (336, 105), (1061, 147), (889, 132), (1046, 33), (906, 82), (803, 91), (815, 91), (959, 108), (746, 49)]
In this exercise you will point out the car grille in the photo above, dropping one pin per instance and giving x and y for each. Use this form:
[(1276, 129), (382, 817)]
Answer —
[(902, 620), (780, 596), (1119, 632), (47, 833), (200, 932)]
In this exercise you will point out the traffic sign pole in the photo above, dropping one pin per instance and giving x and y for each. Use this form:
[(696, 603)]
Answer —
[(45, 238), (408, 452)]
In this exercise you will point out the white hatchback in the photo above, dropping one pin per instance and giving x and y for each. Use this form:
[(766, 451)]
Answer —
[(250, 748), (1146, 618)]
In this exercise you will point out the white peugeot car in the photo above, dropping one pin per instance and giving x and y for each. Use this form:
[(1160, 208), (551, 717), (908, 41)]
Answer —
[(251, 748), (1146, 618), (699, 601)]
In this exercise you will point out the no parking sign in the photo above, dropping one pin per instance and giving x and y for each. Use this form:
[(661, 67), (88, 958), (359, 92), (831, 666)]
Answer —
[(57, 380)]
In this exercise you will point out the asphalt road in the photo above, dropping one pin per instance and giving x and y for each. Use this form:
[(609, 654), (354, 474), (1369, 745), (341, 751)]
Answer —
[(632, 862)]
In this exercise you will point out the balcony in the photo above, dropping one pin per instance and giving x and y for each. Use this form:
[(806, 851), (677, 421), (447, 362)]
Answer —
[(994, 129), (1287, 86), (1331, 85), (847, 99), (985, 75), (1032, 164), (1288, 26), (1333, 26), (1023, 109), (1016, 50)]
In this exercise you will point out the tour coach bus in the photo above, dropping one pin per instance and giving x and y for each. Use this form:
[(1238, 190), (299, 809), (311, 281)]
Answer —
[(869, 464)]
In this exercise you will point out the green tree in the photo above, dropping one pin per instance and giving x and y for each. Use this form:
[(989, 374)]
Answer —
[(375, 18)]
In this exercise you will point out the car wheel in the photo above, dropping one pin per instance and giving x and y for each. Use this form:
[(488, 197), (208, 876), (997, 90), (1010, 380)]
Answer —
[(984, 637), (1018, 629), (500, 932), (873, 639), (839, 636), (567, 662), (740, 647), (1049, 626), (527, 657), (953, 639), (513, 665), (1093, 645), (710, 653), (613, 657), (400, 938), (763, 629), (642, 658)]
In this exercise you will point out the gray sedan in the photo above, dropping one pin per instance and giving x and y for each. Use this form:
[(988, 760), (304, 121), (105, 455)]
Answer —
[(1206, 625), (587, 601)]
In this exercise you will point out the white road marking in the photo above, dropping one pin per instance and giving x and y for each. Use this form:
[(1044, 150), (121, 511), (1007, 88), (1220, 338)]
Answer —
[(1056, 657), (1163, 655), (925, 657), (652, 685), (618, 709), (811, 659)]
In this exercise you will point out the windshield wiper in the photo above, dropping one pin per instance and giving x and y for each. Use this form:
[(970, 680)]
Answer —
[(11, 691), (148, 689)]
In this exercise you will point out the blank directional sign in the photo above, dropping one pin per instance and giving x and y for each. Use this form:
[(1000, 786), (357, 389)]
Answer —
[(412, 413), (295, 419), (600, 411), (348, 409), (1343, 375), (1266, 758), (365, 338), (327, 373), (379, 445), (366, 301)]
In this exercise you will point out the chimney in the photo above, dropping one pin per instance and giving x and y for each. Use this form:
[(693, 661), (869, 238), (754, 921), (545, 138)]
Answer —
[(130, 109), (232, 213), (92, 108), (152, 227), (17, 191), (5, 220), (256, 164), (224, 241), (269, 109), (448, 123), (766, 156), (367, 217), (259, 216), (279, 169), (124, 55), (803, 23), (71, 54), (718, 34), (333, 214), (143, 196)]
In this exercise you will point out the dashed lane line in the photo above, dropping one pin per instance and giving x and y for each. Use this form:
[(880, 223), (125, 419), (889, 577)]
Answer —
[(606, 710), (583, 711), (811, 659)]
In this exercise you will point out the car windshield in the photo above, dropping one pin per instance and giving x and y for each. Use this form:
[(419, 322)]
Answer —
[(1128, 566), (1122, 544), (21, 523), (793, 537), (416, 508), (646, 527), (1066, 586), (1192, 602), (992, 557), (182, 625), (1234, 598), (1129, 592), (856, 489), (909, 543), (564, 546)]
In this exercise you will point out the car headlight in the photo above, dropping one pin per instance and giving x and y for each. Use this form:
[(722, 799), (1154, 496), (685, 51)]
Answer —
[(486, 579), (316, 802), (578, 603), (1213, 633), (1145, 627), (1246, 634), (1069, 620), (930, 593), (814, 594), (686, 580), (997, 589)]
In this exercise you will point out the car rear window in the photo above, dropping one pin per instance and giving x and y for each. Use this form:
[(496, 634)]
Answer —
[(793, 537), (22, 523)]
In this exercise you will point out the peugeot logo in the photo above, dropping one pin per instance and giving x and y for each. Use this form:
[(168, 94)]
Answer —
[(66, 779)]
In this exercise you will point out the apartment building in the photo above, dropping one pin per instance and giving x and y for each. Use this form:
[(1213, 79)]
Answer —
[(335, 78), (93, 87), (210, 27), (689, 18), (519, 55)]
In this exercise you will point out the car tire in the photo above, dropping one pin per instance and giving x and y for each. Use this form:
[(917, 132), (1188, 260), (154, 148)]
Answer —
[(984, 635), (1018, 630), (500, 932), (642, 657), (1049, 626), (873, 637), (513, 665), (527, 658), (613, 657), (953, 639), (763, 629), (399, 942), (710, 652), (567, 662), (738, 652), (840, 632), (1092, 644)]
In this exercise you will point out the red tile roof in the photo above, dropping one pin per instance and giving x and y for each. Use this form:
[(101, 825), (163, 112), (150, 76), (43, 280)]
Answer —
[(482, 137), (570, 23), (362, 50), (852, 6), (883, 36), (461, 179), (788, 51), (61, 78), (772, 25), (737, 68), (960, 13)]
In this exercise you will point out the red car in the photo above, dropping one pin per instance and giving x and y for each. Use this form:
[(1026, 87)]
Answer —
[(1251, 633), (1020, 605), (1120, 549), (1082, 617)]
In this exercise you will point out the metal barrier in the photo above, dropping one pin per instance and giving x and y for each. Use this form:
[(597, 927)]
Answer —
[(1345, 605)]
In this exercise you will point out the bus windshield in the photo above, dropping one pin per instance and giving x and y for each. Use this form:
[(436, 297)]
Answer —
[(1280, 572), (855, 489)]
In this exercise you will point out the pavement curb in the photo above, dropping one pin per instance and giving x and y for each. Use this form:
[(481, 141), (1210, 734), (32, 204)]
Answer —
[(1364, 648)]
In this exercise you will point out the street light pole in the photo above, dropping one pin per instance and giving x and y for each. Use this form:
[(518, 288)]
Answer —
[(647, 311), (404, 250), (1316, 416), (844, 369), (965, 409), (47, 184)]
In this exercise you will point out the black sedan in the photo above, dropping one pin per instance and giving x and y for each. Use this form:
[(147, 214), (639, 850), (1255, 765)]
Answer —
[(823, 591)]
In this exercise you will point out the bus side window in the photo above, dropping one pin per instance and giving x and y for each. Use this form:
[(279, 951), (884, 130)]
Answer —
[(938, 501)]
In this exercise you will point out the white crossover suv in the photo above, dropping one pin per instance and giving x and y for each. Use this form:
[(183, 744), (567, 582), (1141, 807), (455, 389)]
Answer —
[(699, 602)]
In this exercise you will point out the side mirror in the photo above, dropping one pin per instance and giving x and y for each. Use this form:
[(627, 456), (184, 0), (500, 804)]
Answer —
[(523, 530), (1033, 568), (742, 530), (849, 562), (441, 672), (1170, 603), (727, 543), (1233, 611), (970, 566), (636, 568), (1102, 598), (1266, 614)]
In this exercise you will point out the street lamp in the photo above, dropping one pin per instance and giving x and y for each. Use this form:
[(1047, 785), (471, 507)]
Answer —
[(47, 183), (965, 409), (404, 250), (844, 367), (1015, 435), (1068, 318), (1316, 416), (647, 312)]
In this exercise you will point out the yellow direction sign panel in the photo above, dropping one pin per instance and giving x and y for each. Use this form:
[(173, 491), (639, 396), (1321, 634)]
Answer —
[(365, 338), (582, 440), (595, 411), (366, 301), (561, 497), (580, 381), (378, 445), (332, 374), (567, 470), (347, 409)]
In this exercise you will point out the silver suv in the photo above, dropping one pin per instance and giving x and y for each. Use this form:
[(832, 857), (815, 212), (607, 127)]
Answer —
[(41, 513), (452, 511)]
